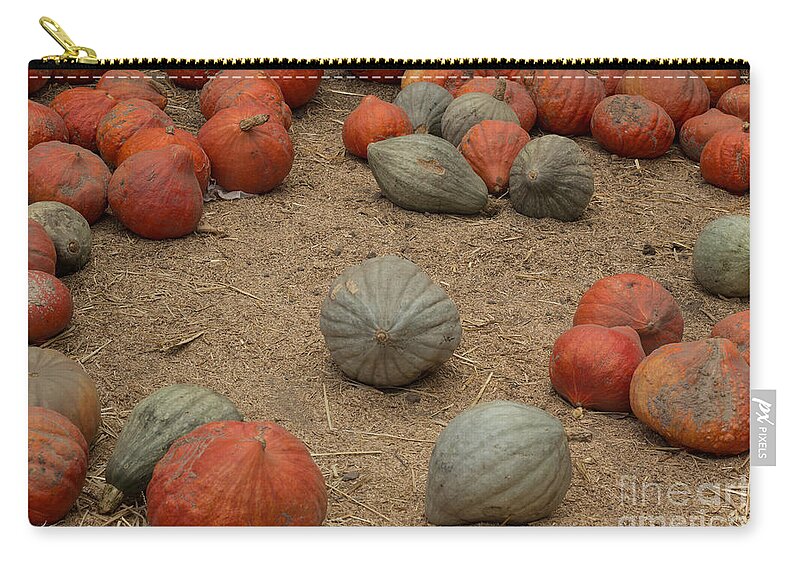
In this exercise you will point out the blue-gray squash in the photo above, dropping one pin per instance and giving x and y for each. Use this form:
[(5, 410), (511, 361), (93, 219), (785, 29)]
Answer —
[(424, 103), (470, 109), (721, 256)]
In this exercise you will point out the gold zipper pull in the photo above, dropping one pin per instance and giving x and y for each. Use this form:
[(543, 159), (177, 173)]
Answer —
[(72, 52)]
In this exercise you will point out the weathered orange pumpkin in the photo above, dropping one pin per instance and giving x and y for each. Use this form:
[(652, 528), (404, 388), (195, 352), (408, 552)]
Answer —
[(49, 306), (44, 125), (372, 121), (633, 300), (70, 174), (696, 395), (490, 147), (391, 76), (150, 138), (719, 81), (228, 79), (298, 86), (450, 79), (248, 150), (57, 463), (736, 328), (82, 108), (632, 126), (697, 131), (230, 473), (124, 84), (155, 193), (681, 93), (262, 90), (736, 101), (41, 251), (725, 160), (190, 78), (609, 77), (591, 366), (516, 97), (565, 100), (122, 122)]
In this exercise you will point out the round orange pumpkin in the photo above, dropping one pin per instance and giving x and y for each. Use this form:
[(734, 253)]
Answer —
[(632, 126), (736, 328), (450, 79), (725, 160), (248, 150), (372, 121), (57, 463), (565, 100), (155, 193), (44, 125), (82, 108), (681, 93), (719, 81), (696, 395), (230, 473), (697, 131), (70, 174), (736, 101), (49, 306), (633, 300), (122, 122), (190, 78), (516, 97), (262, 90), (490, 147), (298, 86), (609, 77), (41, 251), (124, 84), (227, 79), (591, 366)]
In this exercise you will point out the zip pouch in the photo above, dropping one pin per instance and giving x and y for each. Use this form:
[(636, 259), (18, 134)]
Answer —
[(387, 293)]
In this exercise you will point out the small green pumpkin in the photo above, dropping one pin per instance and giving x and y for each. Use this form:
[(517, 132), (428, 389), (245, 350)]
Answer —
[(721, 256), (424, 103), (551, 178), (387, 324), (425, 173), (153, 425), (69, 231), (470, 109)]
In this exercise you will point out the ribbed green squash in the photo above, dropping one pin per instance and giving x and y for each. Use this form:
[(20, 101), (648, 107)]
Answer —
[(551, 178), (154, 423), (424, 103), (69, 231), (721, 256), (387, 324), (425, 173), (470, 109), (499, 462)]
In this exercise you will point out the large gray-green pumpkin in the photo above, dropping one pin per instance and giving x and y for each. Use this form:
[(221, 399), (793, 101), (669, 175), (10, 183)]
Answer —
[(387, 324), (424, 103), (499, 462), (470, 109), (69, 231), (551, 178), (153, 425), (425, 173), (721, 256)]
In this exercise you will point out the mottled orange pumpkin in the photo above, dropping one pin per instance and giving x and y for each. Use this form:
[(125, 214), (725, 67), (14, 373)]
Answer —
[(633, 300), (44, 125), (450, 79), (249, 151), (736, 101), (725, 160), (298, 86), (82, 108), (157, 137), (490, 147), (190, 78), (227, 79), (372, 121), (155, 193), (632, 126), (696, 395), (680, 92), (49, 306), (124, 84), (122, 122), (565, 100), (41, 251), (263, 90), (70, 174), (736, 328), (230, 473), (57, 463), (697, 131), (609, 77), (516, 97), (719, 81)]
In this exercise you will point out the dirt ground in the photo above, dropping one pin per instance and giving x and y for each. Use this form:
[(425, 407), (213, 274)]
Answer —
[(237, 311)]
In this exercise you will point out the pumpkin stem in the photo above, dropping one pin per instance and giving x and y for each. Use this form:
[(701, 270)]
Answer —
[(382, 336), (746, 127), (500, 89), (170, 130), (110, 499), (421, 130), (252, 122)]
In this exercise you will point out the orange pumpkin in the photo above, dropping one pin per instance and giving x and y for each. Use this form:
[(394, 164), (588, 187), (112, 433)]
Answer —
[(450, 79), (37, 79), (565, 100), (725, 160), (298, 86), (681, 93), (82, 108), (44, 125), (122, 122), (516, 97), (227, 79), (490, 147), (124, 84), (41, 251), (633, 300), (696, 395), (609, 77), (632, 126), (57, 463), (248, 150), (697, 131), (49, 306), (263, 90), (736, 101), (190, 78), (372, 121), (719, 81), (736, 328)]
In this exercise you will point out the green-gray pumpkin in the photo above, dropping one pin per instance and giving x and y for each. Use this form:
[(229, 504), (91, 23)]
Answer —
[(425, 173), (721, 256), (499, 462), (424, 103), (551, 178), (387, 324), (470, 109), (153, 425), (69, 231)]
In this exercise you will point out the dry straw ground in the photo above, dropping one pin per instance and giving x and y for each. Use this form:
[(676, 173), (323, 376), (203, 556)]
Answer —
[(236, 307)]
